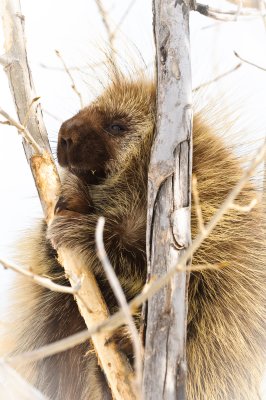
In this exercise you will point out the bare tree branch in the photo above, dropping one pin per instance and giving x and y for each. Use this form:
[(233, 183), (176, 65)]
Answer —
[(42, 166), (249, 62), (245, 209), (225, 15), (125, 14), (73, 85), (40, 280), (19, 77), (117, 369), (48, 283), (122, 301), (106, 24), (217, 78), (23, 92), (23, 130), (80, 69), (169, 201), (195, 193), (52, 115), (27, 116), (246, 3)]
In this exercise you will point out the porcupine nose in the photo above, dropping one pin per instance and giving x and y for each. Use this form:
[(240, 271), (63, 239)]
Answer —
[(68, 134), (68, 139)]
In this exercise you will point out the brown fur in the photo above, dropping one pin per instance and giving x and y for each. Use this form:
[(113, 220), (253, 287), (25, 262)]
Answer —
[(226, 308)]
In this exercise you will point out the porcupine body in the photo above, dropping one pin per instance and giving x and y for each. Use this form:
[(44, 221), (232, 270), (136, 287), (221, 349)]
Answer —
[(105, 150)]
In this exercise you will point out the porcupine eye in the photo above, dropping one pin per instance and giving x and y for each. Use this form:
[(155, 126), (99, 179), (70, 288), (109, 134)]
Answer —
[(116, 128)]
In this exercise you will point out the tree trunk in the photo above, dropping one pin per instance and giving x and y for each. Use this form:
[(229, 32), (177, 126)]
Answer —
[(169, 203)]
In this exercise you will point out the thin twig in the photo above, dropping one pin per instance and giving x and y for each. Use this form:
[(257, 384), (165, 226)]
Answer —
[(25, 121), (52, 68), (122, 301), (111, 36), (23, 130), (225, 15), (40, 280), (52, 115), (248, 62), (79, 69), (51, 349), (217, 78), (105, 20), (122, 19), (73, 85), (245, 209), (243, 11), (48, 283)]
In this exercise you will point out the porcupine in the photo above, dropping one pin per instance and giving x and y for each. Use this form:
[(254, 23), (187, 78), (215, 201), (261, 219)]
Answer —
[(104, 151)]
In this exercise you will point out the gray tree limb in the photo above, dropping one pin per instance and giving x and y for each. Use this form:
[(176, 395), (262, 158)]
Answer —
[(169, 202)]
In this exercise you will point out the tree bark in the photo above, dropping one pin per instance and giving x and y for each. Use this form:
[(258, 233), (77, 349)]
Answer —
[(169, 203), (22, 89)]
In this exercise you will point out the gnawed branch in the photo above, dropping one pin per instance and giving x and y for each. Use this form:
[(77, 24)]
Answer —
[(117, 369)]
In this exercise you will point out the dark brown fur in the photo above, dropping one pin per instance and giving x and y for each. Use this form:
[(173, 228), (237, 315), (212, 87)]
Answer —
[(106, 174)]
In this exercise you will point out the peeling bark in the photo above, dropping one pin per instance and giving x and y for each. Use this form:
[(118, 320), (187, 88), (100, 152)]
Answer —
[(169, 203)]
